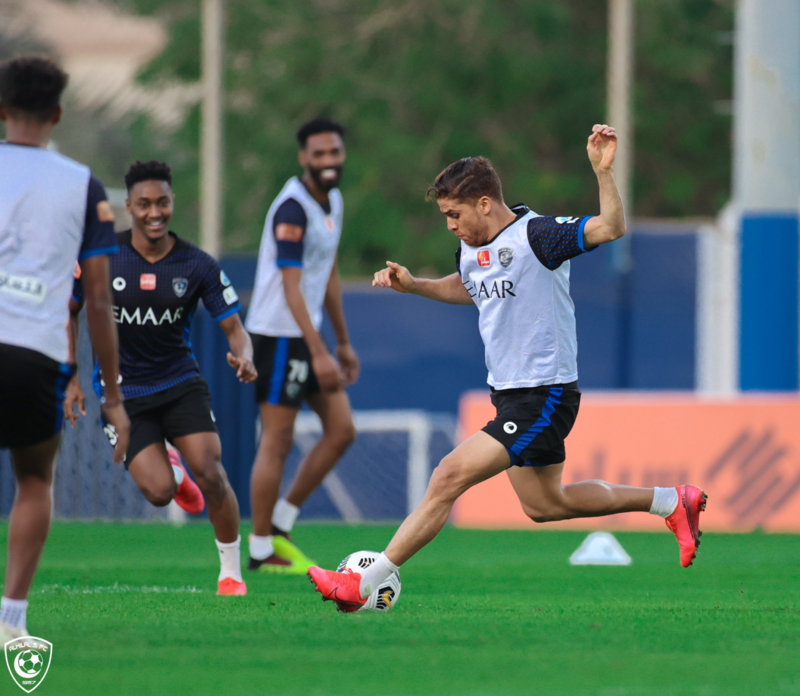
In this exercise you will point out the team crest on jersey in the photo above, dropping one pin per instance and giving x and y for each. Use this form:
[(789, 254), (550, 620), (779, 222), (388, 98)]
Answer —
[(179, 285), (483, 258), (505, 256)]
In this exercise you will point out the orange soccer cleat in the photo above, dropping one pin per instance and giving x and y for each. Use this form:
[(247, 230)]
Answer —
[(229, 586), (342, 588), (188, 496), (685, 521)]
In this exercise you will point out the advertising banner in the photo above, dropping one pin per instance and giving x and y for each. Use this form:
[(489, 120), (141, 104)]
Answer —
[(744, 452)]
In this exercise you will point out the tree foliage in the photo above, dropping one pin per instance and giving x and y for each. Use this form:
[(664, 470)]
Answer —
[(419, 84)]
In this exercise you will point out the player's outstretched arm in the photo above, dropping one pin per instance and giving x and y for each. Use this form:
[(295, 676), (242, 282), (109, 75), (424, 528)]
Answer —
[(97, 297), (610, 224), (348, 360), (240, 357), (327, 370), (449, 289)]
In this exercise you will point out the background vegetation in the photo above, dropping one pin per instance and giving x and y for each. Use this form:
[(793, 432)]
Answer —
[(419, 84)]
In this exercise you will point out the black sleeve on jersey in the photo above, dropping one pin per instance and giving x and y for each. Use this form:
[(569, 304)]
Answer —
[(290, 251), (458, 260), (98, 234), (556, 239), (219, 297)]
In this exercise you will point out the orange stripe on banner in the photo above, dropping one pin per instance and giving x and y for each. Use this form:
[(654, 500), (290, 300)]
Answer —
[(744, 452)]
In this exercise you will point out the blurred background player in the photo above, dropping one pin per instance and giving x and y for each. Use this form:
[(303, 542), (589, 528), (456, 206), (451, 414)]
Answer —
[(157, 280), (52, 212), (297, 274), (514, 266)]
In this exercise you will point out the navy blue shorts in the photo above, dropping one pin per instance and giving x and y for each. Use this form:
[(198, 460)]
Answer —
[(533, 423), (285, 375), (32, 403)]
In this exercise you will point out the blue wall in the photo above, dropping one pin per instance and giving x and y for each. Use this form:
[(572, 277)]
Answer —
[(635, 331)]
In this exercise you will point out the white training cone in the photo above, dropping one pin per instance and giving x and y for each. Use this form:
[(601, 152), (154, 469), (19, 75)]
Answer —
[(600, 548)]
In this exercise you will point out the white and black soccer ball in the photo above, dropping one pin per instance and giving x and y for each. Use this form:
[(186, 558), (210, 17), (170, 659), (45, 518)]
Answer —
[(386, 596)]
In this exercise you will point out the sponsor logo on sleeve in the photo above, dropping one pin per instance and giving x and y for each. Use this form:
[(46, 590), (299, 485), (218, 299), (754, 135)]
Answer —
[(567, 220), (105, 213), (483, 258), (229, 295), (285, 232), (224, 279), (179, 286), (147, 281)]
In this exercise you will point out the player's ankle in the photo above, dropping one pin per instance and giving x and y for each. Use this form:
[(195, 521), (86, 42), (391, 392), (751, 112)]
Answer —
[(260, 547), (375, 574), (665, 501)]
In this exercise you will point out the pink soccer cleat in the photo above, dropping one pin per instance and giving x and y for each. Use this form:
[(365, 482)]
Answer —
[(342, 588), (685, 521), (188, 496), (229, 586)]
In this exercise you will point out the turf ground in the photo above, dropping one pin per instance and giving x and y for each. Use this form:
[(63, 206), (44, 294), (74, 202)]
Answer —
[(131, 609)]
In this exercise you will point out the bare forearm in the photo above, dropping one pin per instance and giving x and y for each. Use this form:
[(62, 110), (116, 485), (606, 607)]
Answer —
[(449, 289), (297, 306), (333, 305), (103, 331), (73, 334), (240, 343), (612, 213)]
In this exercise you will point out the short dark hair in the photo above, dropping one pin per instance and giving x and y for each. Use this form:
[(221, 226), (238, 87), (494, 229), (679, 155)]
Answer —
[(315, 126), (470, 178), (32, 86), (147, 171)]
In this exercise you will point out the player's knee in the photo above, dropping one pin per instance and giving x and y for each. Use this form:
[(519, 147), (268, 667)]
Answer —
[(448, 479), (544, 513), (160, 496), (278, 443), (342, 436), (212, 481)]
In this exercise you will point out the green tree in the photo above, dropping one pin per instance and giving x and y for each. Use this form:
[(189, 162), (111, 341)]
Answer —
[(420, 84)]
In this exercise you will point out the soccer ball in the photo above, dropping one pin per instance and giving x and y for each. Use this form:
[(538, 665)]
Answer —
[(386, 596), (31, 661)]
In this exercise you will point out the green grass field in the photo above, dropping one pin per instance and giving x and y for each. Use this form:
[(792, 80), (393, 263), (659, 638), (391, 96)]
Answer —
[(131, 609)]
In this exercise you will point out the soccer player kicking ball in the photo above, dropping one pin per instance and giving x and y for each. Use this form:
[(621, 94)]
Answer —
[(296, 276), (514, 266), (157, 280), (52, 212)]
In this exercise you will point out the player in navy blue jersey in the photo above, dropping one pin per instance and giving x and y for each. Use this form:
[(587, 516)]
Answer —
[(52, 212), (157, 280)]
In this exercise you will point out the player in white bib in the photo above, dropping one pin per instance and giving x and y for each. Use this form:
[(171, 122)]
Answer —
[(296, 277), (514, 266), (52, 213)]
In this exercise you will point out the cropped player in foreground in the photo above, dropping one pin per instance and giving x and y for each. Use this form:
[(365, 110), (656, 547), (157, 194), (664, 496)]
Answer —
[(514, 266), (297, 275), (52, 212), (157, 280)]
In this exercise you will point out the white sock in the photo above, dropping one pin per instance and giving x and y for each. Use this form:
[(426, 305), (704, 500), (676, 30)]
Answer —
[(260, 547), (374, 575), (665, 500), (13, 611), (230, 567), (284, 515), (178, 474)]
